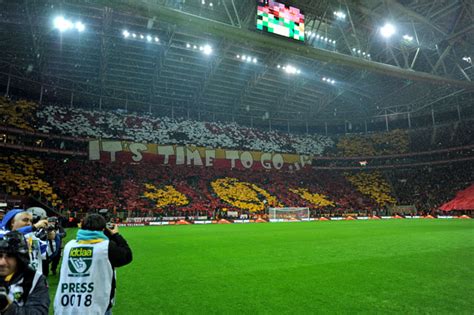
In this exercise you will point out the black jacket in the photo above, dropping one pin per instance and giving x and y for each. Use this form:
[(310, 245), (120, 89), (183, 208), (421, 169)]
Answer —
[(120, 255), (36, 302)]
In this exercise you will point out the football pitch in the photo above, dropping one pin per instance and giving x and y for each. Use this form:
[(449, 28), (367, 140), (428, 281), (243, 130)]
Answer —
[(392, 266)]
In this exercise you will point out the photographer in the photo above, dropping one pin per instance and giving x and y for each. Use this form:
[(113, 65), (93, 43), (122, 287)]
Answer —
[(22, 290), (22, 221), (87, 277), (56, 233)]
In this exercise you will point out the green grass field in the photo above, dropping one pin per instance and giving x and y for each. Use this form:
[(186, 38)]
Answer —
[(393, 266)]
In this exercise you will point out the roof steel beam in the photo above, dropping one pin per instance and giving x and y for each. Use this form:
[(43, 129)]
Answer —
[(257, 39)]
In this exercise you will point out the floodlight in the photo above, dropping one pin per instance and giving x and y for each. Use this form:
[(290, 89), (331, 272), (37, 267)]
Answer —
[(134, 35), (244, 57), (195, 47), (340, 15), (290, 69), (157, 39), (210, 4), (62, 24), (238, 56), (387, 30), (125, 34), (333, 81), (80, 27), (149, 38), (254, 60), (298, 71), (249, 58), (353, 49), (203, 2), (141, 36), (207, 49), (278, 66), (324, 78), (317, 36), (407, 38), (187, 45)]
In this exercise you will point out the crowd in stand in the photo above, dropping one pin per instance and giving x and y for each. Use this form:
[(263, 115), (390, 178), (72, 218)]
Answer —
[(164, 130), (77, 122), (140, 189), (429, 187)]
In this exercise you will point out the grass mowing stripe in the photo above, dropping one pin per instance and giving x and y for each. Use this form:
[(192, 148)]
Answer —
[(392, 266)]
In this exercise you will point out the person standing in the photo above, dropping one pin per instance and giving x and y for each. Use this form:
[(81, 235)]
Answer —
[(22, 221), (22, 289), (87, 274)]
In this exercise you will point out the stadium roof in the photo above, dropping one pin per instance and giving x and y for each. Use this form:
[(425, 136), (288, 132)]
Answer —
[(168, 73)]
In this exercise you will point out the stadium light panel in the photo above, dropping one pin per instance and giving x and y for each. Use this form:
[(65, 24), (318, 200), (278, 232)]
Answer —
[(207, 49), (340, 15), (149, 38), (290, 69), (387, 30), (125, 34), (61, 24), (80, 27)]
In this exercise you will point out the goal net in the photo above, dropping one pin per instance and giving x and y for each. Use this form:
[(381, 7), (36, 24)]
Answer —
[(288, 214)]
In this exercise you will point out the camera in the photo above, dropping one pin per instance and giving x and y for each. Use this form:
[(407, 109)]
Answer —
[(108, 218), (53, 224), (110, 225)]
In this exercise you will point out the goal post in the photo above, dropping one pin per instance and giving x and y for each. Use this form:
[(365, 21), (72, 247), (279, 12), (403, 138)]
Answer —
[(289, 214)]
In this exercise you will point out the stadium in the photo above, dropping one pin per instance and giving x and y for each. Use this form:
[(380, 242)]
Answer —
[(291, 157)]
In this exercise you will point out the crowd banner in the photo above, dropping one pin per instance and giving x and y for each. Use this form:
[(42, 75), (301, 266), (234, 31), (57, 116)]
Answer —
[(125, 151)]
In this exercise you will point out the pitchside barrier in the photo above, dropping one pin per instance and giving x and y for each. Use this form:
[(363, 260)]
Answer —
[(204, 220)]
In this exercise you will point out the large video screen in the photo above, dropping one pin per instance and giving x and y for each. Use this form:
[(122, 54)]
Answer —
[(278, 18)]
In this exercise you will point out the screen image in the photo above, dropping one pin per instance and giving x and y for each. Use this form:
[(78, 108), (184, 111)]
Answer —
[(280, 19)]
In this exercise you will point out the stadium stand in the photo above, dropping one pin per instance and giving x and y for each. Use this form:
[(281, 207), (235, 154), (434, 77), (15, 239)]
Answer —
[(136, 189)]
